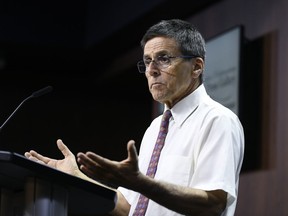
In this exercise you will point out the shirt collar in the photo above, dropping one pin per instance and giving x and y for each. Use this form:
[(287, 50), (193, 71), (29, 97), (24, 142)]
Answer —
[(188, 105)]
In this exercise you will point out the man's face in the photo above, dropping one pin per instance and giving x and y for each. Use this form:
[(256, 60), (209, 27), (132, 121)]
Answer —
[(169, 85)]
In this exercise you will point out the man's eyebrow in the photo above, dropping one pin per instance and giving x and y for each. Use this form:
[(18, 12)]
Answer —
[(160, 53), (146, 56)]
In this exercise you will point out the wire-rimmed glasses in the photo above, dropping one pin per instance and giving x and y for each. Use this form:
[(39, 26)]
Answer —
[(161, 62)]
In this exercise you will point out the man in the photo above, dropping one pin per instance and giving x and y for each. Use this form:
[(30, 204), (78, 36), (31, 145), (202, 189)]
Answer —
[(199, 165)]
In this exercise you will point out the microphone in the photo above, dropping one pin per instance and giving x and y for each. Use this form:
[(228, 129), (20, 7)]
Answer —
[(35, 94)]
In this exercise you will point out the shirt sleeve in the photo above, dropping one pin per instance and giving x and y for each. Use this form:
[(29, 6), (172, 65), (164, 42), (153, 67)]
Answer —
[(218, 156)]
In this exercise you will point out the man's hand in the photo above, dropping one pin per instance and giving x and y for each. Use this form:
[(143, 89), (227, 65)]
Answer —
[(114, 173), (67, 165)]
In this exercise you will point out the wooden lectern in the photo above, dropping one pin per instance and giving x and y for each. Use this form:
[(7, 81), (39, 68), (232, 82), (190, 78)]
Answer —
[(29, 188)]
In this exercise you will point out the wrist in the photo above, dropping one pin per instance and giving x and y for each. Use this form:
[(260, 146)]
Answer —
[(140, 183)]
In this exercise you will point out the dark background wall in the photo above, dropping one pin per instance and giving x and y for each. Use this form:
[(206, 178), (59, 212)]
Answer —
[(88, 52)]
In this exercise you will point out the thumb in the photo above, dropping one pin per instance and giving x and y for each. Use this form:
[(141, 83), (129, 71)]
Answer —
[(63, 148), (132, 151)]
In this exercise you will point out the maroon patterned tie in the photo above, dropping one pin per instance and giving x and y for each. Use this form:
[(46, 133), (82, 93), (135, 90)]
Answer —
[(143, 201)]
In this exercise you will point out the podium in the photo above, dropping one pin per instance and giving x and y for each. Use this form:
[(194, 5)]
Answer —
[(29, 188)]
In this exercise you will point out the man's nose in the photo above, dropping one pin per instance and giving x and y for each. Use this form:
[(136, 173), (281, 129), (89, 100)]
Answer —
[(152, 68)]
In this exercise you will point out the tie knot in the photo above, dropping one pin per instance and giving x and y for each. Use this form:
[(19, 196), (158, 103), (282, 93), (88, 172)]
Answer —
[(166, 116)]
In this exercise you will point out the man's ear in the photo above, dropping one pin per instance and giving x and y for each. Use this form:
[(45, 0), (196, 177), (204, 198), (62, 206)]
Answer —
[(198, 67)]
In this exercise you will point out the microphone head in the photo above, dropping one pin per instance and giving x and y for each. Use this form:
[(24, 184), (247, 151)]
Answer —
[(42, 91)]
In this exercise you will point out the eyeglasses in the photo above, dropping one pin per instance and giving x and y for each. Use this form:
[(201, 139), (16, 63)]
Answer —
[(161, 62)]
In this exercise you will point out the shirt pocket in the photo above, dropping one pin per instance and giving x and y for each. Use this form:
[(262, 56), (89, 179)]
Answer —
[(175, 169)]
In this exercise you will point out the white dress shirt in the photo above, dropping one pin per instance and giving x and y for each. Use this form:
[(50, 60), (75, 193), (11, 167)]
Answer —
[(204, 149)]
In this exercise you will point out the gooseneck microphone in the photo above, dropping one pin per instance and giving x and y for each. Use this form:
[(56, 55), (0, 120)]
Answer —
[(33, 95)]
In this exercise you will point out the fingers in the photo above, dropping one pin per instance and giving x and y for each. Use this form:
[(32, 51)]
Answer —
[(88, 165), (88, 160), (29, 156), (108, 171), (32, 155)]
